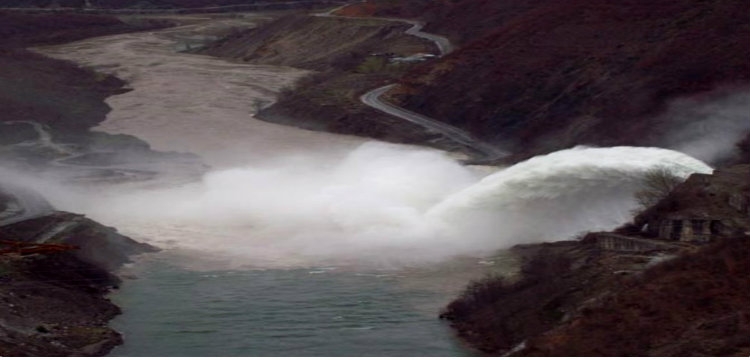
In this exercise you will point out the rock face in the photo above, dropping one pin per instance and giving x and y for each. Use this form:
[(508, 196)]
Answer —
[(98, 245)]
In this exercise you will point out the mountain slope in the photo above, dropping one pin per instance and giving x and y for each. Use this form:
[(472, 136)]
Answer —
[(559, 74)]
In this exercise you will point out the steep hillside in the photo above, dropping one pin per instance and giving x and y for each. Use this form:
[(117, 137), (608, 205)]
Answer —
[(37, 88), (593, 298), (318, 43), (33, 87), (553, 74), (697, 305), (460, 20)]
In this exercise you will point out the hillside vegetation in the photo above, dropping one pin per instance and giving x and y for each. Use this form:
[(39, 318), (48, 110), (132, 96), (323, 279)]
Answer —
[(543, 75), (583, 298)]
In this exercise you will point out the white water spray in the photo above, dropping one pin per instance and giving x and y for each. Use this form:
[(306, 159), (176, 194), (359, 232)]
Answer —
[(389, 205), (556, 196)]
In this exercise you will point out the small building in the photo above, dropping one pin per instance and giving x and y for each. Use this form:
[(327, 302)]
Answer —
[(686, 229), (702, 209)]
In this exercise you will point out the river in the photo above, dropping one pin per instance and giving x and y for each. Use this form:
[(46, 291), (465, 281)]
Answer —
[(230, 287)]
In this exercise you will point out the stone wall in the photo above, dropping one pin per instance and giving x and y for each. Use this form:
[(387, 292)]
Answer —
[(621, 243)]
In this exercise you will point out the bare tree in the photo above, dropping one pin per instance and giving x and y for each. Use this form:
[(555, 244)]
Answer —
[(656, 185)]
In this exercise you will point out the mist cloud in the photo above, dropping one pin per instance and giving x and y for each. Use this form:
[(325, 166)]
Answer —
[(709, 128), (384, 205)]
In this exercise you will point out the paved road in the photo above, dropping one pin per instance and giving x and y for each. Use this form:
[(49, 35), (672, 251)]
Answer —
[(444, 45), (488, 151), (373, 98)]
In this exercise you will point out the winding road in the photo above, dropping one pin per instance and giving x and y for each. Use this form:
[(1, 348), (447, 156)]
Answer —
[(443, 44), (374, 99)]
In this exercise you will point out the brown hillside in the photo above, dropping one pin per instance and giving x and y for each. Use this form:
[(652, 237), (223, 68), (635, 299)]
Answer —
[(460, 20), (697, 305), (582, 71), (33, 87)]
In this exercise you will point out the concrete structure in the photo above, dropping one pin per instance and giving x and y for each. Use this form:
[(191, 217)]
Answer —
[(704, 208), (622, 243)]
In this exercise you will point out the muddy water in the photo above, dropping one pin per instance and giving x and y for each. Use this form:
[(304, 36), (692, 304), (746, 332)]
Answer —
[(193, 103)]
